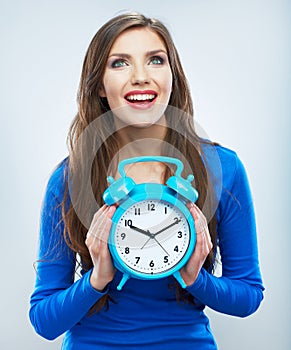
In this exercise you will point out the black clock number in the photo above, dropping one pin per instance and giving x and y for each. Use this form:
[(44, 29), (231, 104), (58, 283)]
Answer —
[(179, 234), (176, 249), (136, 211), (166, 259), (137, 259), (128, 223), (152, 263), (151, 207), (123, 235), (126, 250)]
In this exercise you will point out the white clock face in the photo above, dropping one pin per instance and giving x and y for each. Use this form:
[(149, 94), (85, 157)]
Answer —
[(152, 236)]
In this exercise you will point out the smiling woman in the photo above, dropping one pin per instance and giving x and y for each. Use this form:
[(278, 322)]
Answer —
[(134, 100), (137, 78)]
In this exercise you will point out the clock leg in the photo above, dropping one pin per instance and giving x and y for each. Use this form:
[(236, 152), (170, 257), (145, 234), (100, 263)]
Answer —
[(179, 278), (125, 277)]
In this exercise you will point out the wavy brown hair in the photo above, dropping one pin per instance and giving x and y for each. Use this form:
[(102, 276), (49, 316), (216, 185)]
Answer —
[(180, 135)]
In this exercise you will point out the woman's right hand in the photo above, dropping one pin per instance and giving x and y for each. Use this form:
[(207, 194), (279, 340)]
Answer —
[(97, 242)]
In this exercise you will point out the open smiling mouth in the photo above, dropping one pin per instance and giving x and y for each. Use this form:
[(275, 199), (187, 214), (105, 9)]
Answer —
[(141, 98)]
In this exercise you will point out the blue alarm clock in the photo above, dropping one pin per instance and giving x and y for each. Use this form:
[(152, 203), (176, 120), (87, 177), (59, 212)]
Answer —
[(153, 233)]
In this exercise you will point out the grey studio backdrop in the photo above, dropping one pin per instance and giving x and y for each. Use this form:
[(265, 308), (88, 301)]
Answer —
[(236, 55)]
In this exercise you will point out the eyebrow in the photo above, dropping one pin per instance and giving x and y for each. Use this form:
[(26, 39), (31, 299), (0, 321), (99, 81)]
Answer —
[(149, 53)]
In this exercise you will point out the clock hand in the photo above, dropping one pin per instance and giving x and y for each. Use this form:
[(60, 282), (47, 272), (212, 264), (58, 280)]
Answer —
[(157, 242), (161, 246), (147, 233), (165, 228), (146, 242)]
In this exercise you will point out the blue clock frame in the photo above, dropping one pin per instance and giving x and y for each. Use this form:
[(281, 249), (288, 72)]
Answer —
[(125, 193)]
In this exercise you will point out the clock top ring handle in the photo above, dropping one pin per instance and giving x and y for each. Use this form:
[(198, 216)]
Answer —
[(120, 188), (163, 159)]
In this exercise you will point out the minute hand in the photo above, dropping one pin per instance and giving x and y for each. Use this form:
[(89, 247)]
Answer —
[(165, 228)]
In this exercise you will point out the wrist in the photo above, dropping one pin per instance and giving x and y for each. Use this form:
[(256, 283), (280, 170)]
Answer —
[(188, 278), (97, 283)]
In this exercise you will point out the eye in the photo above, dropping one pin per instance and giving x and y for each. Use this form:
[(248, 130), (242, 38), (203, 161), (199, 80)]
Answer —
[(118, 63), (156, 60)]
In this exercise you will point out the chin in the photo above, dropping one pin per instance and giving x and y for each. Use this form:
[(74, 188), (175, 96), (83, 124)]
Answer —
[(142, 125), (138, 124), (126, 117)]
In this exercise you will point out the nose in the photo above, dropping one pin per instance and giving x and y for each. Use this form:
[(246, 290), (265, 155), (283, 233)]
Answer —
[(140, 75)]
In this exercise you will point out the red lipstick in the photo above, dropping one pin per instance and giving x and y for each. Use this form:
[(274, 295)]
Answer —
[(141, 99)]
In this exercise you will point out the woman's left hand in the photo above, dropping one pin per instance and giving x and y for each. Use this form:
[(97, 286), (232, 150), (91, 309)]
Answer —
[(203, 246)]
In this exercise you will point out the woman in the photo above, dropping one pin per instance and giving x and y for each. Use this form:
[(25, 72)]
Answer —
[(134, 100)]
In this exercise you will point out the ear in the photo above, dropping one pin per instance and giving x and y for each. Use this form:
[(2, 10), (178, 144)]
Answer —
[(102, 92)]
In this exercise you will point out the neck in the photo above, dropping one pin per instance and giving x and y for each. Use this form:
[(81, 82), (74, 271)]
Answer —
[(136, 141)]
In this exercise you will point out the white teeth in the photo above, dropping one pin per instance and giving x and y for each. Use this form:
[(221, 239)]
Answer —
[(140, 97)]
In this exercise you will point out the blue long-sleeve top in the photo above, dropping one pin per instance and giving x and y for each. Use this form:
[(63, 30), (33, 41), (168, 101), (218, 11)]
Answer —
[(145, 314)]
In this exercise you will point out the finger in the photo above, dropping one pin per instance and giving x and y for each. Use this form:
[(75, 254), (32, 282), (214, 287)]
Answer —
[(101, 228), (208, 239), (103, 238), (96, 217), (99, 212), (104, 210), (100, 225), (199, 211), (195, 210), (201, 225), (98, 220), (111, 211), (105, 222), (204, 227), (199, 219)]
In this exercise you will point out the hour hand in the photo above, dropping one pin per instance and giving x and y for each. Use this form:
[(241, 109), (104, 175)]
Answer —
[(147, 233)]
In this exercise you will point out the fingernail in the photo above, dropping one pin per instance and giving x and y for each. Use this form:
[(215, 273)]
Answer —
[(111, 209)]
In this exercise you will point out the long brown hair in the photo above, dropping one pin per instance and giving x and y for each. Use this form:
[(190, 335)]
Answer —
[(180, 134)]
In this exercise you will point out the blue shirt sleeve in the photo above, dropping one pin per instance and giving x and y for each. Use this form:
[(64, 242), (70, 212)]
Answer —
[(239, 290), (57, 302)]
